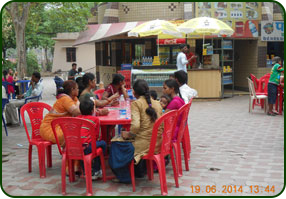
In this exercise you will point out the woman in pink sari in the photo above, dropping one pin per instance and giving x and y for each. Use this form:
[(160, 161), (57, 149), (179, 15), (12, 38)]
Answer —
[(171, 88)]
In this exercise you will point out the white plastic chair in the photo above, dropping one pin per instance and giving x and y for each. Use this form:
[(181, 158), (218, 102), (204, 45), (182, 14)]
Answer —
[(253, 96)]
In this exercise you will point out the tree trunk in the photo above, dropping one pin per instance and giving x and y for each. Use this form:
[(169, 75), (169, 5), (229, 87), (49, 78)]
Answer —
[(4, 52), (45, 61), (19, 12), (21, 52)]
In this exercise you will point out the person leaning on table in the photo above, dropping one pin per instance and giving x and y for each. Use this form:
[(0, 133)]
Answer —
[(89, 83), (67, 105), (135, 143), (117, 86), (273, 84), (35, 89)]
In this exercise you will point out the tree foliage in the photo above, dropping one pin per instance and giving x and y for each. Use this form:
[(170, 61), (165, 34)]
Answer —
[(48, 19), (8, 33), (45, 20)]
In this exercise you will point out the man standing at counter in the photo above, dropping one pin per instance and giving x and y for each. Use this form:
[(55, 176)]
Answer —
[(190, 56), (182, 60)]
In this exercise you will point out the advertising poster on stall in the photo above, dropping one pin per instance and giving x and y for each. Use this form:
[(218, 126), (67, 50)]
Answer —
[(243, 17), (272, 30), (247, 29)]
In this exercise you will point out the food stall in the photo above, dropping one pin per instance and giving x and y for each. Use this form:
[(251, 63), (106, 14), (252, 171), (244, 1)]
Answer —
[(215, 74)]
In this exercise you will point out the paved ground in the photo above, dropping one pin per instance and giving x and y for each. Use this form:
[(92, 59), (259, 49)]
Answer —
[(233, 151)]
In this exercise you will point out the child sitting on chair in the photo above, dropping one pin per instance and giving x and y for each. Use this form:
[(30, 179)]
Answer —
[(88, 112), (153, 94), (164, 101)]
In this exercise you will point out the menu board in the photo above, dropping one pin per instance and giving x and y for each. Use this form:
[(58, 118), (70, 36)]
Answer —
[(243, 17), (229, 10)]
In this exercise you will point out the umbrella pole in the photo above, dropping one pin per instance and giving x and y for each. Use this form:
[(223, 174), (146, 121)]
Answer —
[(158, 46), (203, 50)]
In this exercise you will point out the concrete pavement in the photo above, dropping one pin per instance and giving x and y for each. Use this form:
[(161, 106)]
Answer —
[(234, 153)]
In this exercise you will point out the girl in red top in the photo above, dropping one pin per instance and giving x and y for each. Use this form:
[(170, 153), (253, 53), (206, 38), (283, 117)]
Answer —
[(8, 78), (117, 85)]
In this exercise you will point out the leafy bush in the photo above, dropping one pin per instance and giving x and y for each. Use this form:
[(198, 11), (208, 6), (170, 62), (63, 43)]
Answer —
[(32, 64), (8, 64)]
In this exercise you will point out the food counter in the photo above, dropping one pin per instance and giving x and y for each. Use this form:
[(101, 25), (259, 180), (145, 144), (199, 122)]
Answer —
[(206, 81)]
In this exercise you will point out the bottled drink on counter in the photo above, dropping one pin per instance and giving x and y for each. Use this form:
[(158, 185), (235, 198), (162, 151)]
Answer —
[(143, 61)]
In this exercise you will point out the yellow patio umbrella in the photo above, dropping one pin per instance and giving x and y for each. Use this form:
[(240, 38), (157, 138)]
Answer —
[(155, 27), (159, 28), (206, 26)]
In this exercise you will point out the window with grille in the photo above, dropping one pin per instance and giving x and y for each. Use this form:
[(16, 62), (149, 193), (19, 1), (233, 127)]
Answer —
[(71, 54)]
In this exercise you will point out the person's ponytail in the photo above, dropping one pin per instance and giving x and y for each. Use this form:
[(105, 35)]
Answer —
[(141, 88), (150, 110)]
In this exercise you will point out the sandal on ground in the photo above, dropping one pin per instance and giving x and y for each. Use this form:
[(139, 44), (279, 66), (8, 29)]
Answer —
[(276, 113), (271, 114), (115, 180)]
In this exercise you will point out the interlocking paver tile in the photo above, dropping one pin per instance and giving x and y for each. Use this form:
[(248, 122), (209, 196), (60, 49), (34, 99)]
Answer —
[(230, 147)]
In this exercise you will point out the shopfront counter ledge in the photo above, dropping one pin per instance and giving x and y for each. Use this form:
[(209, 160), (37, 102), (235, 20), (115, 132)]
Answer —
[(206, 81), (204, 69)]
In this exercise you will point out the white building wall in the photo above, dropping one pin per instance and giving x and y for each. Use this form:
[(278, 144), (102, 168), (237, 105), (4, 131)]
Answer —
[(85, 56)]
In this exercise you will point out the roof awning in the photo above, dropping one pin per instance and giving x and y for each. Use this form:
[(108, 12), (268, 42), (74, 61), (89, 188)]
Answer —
[(70, 46), (97, 32)]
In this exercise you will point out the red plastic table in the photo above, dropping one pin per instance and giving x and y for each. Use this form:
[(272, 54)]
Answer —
[(114, 118)]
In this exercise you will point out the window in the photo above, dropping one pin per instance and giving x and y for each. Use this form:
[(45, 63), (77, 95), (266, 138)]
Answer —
[(139, 51), (71, 54)]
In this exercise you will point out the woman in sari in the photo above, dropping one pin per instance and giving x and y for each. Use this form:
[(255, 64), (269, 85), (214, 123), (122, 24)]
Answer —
[(67, 105), (135, 144)]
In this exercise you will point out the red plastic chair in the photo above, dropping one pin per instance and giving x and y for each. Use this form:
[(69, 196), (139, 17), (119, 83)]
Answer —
[(183, 112), (260, 86), (169, 120), (127, 76), (255, 81), (35, 111), (99, 93), (73, 150)]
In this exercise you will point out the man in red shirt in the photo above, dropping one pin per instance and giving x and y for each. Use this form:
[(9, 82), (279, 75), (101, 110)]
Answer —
[(191, 56)]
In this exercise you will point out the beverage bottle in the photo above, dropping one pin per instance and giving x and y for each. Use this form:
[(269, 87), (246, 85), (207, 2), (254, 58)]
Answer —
[(101, 85), (253, 29), (121, 100), (143, 61)]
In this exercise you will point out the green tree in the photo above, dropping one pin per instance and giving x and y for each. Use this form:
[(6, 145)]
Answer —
[(8, 33), (35, 23), (48, 19), (19, 12)]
